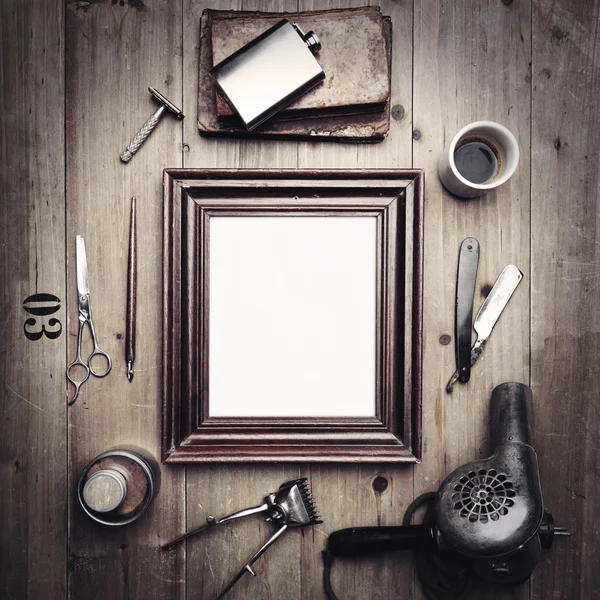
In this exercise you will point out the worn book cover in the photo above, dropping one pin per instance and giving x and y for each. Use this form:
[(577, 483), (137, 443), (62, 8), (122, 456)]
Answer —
[(352, 54), (352, 104)]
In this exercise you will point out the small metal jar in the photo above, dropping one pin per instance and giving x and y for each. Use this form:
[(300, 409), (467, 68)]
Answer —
[(117, 486)]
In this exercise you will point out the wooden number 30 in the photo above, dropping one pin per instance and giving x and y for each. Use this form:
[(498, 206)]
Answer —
[(42, 305)]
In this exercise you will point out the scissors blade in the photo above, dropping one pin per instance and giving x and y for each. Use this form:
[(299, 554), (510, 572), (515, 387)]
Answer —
[(83, 288)]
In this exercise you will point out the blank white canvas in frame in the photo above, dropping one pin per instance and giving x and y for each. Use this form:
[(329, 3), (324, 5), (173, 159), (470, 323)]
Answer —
[(292, 316)]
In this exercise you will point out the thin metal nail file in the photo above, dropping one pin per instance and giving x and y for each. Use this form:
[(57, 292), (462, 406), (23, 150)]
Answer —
[(468, 262)]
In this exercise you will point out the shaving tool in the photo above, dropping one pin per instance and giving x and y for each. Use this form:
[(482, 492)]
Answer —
[(490, 312), (468, 261), (291, 506), (150, 124)]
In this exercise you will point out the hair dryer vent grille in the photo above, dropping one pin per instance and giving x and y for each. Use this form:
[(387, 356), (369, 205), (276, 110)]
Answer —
[(483, 495)]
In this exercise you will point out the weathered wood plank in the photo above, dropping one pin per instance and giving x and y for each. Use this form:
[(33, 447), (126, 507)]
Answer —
[(471, 63), (33, 451), (114, 52), (565, 330), (221, 489), (345, 494)]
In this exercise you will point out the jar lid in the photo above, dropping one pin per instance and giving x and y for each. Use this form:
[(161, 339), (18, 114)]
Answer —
[(105, 490)]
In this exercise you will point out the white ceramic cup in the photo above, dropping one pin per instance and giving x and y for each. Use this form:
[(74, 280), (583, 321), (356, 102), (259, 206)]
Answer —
[(503, 144)]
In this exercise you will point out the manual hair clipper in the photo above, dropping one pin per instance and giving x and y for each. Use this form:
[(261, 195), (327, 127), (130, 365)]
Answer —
[(291, 506), (488, 516)]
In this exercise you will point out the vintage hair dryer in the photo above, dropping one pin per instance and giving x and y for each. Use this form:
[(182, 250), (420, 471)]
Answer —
[(488, 516)]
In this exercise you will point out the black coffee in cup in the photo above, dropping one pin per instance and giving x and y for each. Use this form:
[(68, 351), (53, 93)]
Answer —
[(477, 160)]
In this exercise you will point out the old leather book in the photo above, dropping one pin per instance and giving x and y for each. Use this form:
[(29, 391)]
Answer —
[(351, 105)]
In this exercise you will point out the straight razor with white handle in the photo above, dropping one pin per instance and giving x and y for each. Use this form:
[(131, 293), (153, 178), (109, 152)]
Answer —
[(490, 312)]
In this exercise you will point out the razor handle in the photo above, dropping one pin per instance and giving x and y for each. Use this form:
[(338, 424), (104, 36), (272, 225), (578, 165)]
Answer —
[(359, 541)]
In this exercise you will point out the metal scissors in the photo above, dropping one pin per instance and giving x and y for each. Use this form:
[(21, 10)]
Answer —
[(85, 316)]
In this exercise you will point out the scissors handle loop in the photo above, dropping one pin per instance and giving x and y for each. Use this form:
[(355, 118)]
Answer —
[(88, 367), (97, 352), (72, 369), (105, 358)]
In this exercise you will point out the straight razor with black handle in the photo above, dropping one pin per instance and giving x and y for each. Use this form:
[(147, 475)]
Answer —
[(468, 260)]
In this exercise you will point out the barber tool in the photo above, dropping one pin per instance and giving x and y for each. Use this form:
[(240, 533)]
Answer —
[(291, 506), (489, 313), (150, 124), (117, 486), (131, 295), (487, 518), (85, 316), (465, 291), (270, 72)]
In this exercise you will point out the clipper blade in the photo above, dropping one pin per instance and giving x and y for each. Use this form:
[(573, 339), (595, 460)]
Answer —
[(309, 503), (294, 504)]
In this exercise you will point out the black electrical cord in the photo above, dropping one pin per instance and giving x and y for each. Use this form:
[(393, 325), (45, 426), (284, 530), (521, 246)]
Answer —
[(428, 498), (443, 575), (327, 562)]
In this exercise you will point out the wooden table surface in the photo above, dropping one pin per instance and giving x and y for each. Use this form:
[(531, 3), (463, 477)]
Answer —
[(73, 79)]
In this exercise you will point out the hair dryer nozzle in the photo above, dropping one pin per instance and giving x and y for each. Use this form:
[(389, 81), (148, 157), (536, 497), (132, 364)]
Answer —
[(511, 414)]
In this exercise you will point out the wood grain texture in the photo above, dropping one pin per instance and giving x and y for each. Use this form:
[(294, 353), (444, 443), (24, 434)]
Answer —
[(471, 61), (464, 71), (346, 494), (350, 495), (33, 423), (221, 489), (565, 265), (114, 52)]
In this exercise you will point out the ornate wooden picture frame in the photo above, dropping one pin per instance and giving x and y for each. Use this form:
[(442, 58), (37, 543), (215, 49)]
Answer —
[(191, 199)]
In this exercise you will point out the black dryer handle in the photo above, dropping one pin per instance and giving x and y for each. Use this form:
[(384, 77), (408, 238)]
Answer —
[(360, 541)]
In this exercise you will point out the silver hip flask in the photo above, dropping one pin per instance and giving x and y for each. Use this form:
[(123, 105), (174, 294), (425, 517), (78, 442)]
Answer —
[(270, 72)]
